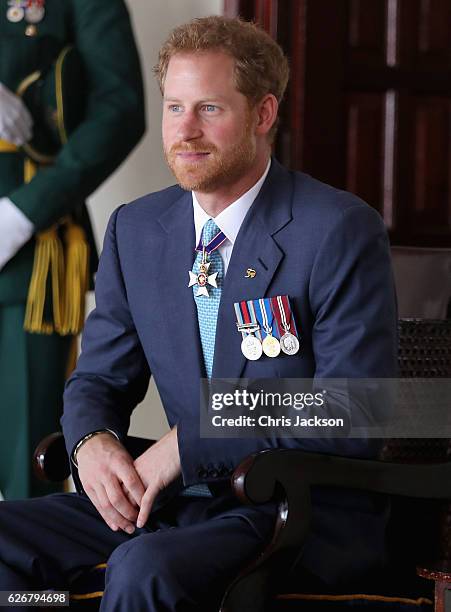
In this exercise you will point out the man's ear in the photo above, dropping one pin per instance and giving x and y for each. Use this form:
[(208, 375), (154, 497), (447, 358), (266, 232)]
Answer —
[(267, 110)]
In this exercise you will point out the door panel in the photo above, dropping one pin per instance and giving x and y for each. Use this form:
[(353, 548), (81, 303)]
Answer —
[(369, 101)]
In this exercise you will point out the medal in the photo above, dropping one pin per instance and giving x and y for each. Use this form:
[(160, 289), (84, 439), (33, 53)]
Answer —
[(251, 346), (34, 13), (32, 10), (270, 344), (202, 278), (289, 342), (15, 14)]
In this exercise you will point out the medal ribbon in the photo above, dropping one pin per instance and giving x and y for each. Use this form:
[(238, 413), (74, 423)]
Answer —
[(24, 4), (214, 243), (282, 312), (264, 316), (245, 317), (254, 319), (239, 317)]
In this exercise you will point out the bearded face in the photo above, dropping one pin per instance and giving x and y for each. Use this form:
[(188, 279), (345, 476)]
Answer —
[(203, 166), (208, 125)]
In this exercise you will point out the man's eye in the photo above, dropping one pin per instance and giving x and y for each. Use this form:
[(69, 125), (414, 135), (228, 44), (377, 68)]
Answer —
[(210, 108), (175, 108)]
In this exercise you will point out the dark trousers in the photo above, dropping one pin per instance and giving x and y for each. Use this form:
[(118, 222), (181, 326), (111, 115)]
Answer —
[(183, 560)]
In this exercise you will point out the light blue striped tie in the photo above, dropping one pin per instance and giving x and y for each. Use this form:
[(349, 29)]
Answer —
[(207, 307), (207, 315)]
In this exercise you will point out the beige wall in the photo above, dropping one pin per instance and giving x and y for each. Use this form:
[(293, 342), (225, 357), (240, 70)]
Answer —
[(145, 169)]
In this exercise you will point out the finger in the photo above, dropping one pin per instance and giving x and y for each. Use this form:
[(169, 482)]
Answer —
[(146, 506), (133, 484), (130, 497), (119, 500), (112, 517), (99, 504)]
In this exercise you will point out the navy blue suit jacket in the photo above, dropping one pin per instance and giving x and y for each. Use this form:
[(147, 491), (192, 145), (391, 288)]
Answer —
[(323, 247)]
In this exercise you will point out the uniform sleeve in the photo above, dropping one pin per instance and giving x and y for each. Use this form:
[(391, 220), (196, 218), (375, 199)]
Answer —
[(112, 374), (114, 119)]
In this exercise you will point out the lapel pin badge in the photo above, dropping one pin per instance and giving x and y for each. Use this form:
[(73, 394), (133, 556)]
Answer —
[(250, 273)]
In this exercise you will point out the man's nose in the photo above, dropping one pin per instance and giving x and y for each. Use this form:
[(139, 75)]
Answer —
[(189, 126)]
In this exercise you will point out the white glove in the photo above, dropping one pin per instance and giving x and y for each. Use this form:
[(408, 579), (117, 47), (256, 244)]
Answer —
[(15, 120), (15, 230)]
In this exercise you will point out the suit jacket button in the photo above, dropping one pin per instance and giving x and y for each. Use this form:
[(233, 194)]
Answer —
[(213, 473), (224, 471), (202, 473)]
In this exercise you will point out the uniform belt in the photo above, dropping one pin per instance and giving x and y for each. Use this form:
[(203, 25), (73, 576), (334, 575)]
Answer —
[(8, 147)]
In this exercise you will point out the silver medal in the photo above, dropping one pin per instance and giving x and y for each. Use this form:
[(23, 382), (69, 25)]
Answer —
[(251, 347), (15, 14), (34, 13), (289, 344), (271, 346)]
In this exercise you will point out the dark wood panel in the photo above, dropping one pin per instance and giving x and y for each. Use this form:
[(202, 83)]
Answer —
[(434, 33), (423, 171), (365, 147), (323, 135), (291, 33), (242, 8), (367, 32), (432, 159), (429, 81), (367, 106), (425, 34), (266, 15)]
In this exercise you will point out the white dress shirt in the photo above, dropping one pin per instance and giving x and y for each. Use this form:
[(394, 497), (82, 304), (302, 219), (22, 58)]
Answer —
[(15, 230), (230, 219)]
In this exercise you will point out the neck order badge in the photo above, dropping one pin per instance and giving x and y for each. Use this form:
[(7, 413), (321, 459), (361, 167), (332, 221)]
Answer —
[(206, 247)]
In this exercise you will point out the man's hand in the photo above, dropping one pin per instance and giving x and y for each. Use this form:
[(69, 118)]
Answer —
[(157, 468), (111, 481), (15, 120)]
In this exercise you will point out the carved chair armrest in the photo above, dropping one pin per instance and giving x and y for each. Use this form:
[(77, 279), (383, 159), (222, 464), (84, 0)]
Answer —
[(50, 460), (289, 474)]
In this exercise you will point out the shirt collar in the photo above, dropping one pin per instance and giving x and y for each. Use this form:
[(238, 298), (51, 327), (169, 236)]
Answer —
[(230, 219)]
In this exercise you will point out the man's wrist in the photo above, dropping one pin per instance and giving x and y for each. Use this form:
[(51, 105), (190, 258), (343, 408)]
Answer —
[(88, 437)]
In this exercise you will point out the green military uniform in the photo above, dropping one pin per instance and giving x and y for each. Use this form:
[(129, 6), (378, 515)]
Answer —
[(33, 366)]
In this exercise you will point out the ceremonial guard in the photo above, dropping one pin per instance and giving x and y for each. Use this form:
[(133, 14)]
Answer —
[(71, 109)]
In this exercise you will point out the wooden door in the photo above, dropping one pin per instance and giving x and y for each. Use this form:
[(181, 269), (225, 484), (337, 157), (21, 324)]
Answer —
[(369, 103)]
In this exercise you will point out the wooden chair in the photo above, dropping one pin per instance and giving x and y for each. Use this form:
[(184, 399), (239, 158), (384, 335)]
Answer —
[(415, 473)]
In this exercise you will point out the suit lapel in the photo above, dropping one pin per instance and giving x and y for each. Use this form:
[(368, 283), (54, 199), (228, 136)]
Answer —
[(256, 248), (177, 298)]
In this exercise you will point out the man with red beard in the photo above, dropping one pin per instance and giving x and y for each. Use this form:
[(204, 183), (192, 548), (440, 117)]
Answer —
[(238, 231)]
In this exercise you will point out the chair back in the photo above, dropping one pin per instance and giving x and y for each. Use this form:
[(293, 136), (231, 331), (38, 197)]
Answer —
[(424, 352)]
